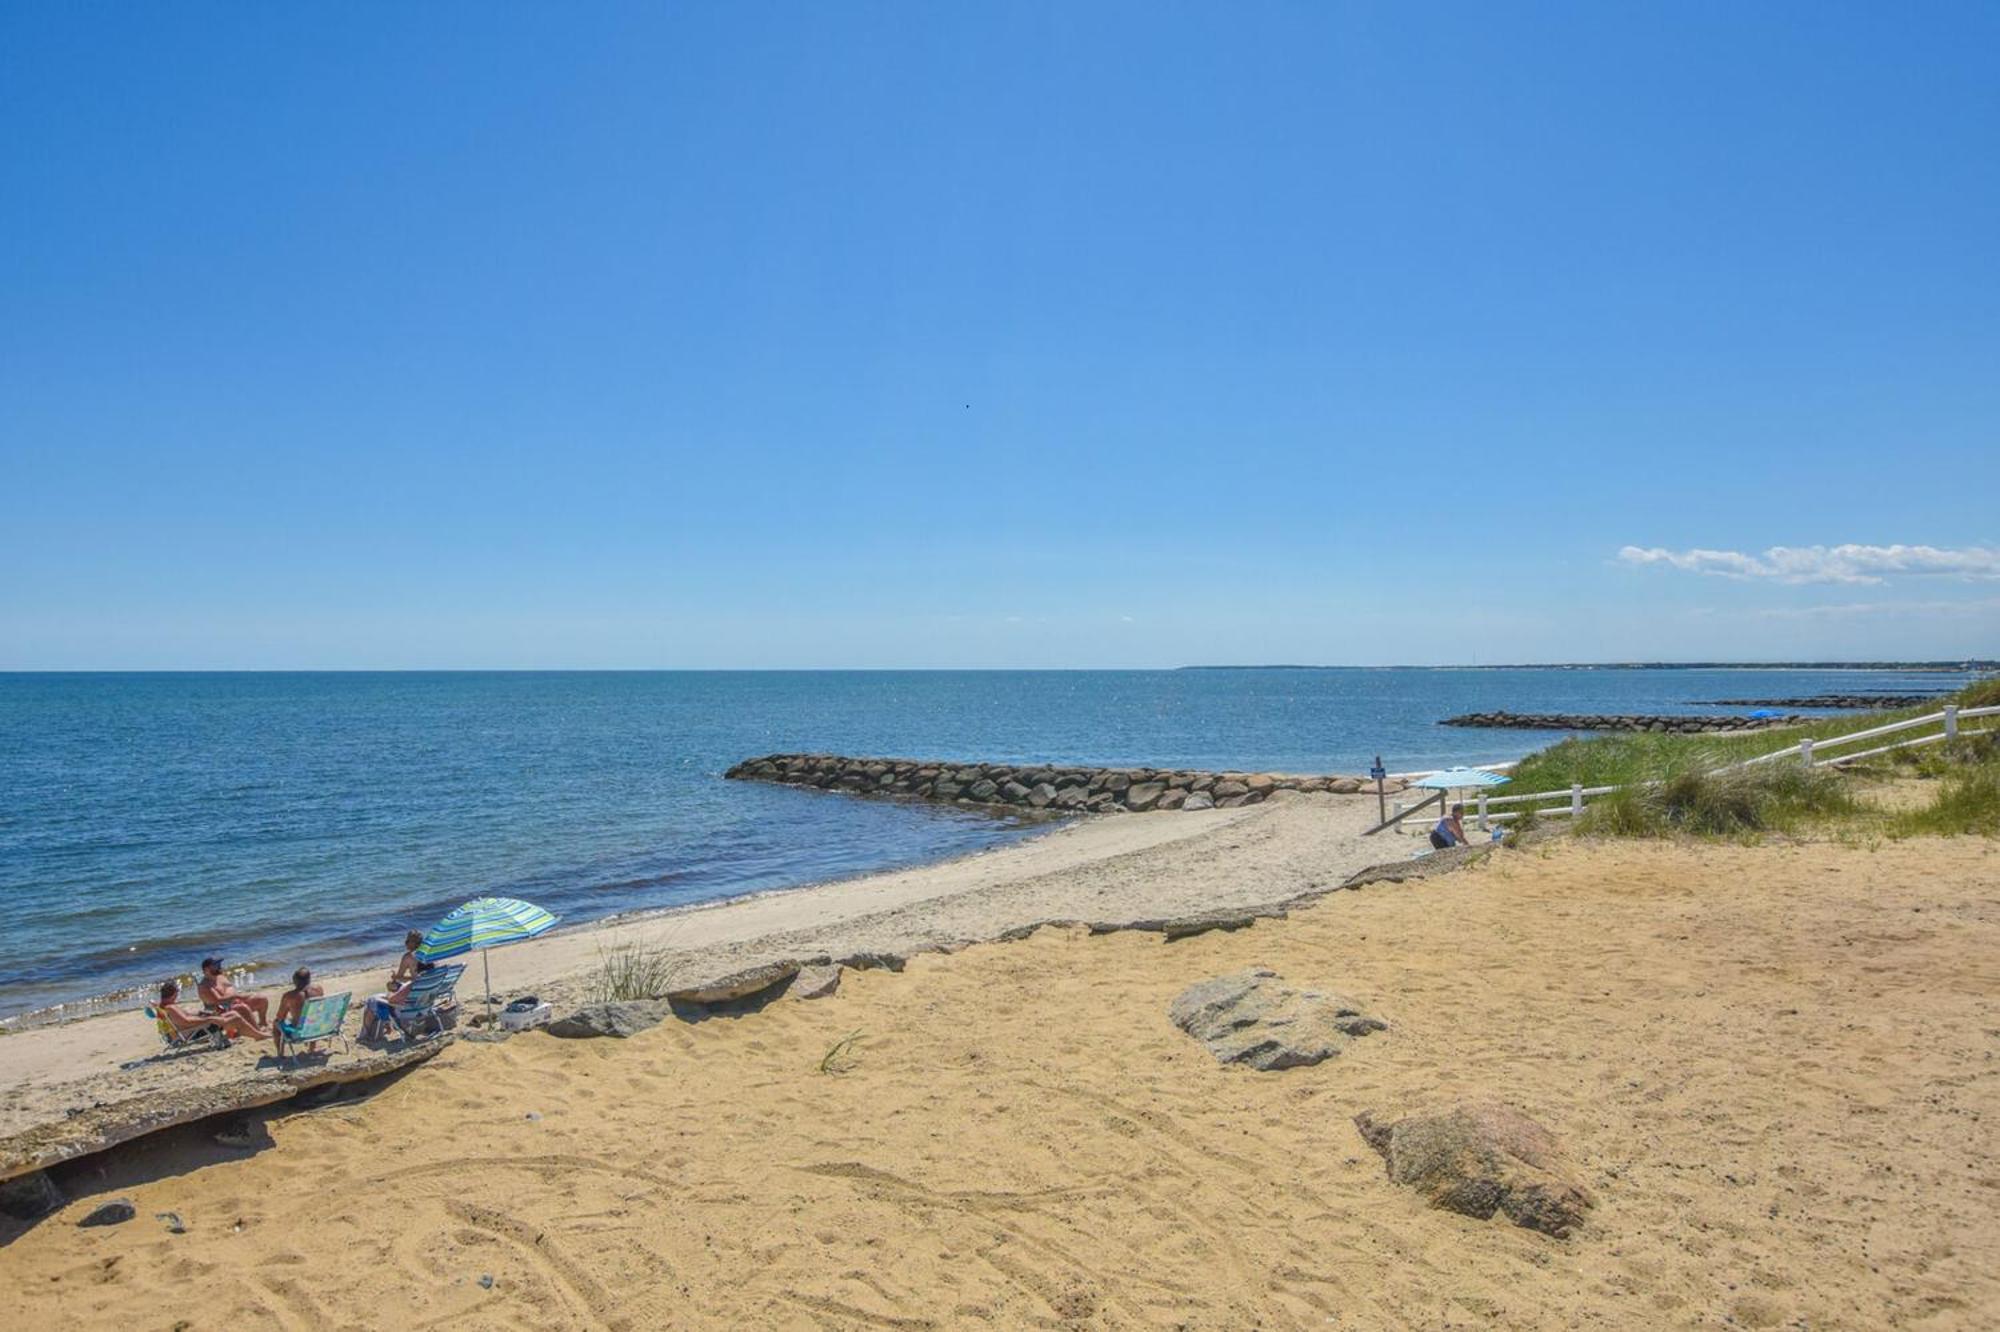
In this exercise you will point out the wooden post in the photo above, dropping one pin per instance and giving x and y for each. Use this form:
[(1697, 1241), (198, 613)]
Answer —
[(1378, 772), (1576, 797), (1951, 721), (1805, 752)]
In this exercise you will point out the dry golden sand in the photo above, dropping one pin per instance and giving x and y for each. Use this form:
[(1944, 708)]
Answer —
[(1774, 1066)]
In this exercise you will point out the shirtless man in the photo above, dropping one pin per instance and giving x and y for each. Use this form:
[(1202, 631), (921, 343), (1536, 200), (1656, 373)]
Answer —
[(221, 994)]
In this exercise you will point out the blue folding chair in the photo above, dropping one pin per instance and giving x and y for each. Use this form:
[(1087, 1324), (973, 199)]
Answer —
[(432, 996)]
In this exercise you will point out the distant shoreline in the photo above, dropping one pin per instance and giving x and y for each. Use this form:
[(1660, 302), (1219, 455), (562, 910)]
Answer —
[(1941, 667)]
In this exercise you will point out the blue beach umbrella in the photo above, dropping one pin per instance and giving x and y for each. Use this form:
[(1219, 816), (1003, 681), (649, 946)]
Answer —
[(1453, 779), (483, 923)]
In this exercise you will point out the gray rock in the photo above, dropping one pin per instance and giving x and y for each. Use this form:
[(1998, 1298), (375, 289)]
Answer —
[(26, 1197), (816, 982), (982, 790), (1186, 927), (172, 1221), (1200, 800), (873, 961), (1482, 1157), (737, 985), (1042, 795), (620, 1018), (114, 1213), (1252, 1017), (1226, 788), (1143, 796), (1174, 798)]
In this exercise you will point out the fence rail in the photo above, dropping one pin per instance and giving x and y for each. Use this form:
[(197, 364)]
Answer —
[(1809, 751)]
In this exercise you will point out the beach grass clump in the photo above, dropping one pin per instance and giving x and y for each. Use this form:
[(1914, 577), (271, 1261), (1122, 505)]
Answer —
[(1734, 803), (1967, 802), (631, 971), (839, 1056)]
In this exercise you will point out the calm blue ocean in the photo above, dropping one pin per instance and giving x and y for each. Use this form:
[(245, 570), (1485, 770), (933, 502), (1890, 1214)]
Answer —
[(148, 819)]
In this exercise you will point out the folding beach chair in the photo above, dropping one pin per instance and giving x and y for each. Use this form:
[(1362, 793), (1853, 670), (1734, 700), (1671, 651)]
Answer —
[(208, 1036), (432, 996), (319, 1020)]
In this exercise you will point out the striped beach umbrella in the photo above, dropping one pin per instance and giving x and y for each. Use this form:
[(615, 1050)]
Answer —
[(483, 923)]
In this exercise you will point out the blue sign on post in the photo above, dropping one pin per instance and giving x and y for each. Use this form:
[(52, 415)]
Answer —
[(1378, 772)]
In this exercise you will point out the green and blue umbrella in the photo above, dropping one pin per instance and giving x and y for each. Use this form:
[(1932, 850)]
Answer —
[(1455, 779), (483, 923)]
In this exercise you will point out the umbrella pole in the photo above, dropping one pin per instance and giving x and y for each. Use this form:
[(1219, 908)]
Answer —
[(486, 965)]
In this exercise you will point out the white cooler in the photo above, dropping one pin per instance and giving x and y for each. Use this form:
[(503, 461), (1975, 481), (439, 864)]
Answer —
[(525, 1013)]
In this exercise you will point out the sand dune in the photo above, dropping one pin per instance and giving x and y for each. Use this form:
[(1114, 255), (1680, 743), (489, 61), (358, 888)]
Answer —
[(1775, 1066)]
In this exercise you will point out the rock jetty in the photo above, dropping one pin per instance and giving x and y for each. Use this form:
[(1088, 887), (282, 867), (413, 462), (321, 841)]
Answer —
[(1597, 721), (1852, 701), (1038, 787)]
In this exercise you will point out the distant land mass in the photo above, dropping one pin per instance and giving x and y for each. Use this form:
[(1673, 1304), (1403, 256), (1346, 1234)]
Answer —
[(1951, 666)]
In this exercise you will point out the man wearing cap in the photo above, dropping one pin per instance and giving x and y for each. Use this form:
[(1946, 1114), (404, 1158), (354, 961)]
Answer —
[(221, 995)]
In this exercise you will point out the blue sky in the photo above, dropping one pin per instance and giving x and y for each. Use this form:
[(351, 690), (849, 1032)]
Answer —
[(1010, 335)]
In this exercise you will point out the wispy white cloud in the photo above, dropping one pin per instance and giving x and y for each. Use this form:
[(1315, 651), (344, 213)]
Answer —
[(1854, 564), (1851, 610)]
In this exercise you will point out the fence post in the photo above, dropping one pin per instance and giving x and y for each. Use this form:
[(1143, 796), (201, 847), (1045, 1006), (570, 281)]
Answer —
[(1576, 797), (1482, 811), (1951, 721), (1805, 752)]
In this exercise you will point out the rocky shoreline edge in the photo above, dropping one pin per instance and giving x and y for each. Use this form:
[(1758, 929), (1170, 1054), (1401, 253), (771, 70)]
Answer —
[(1053, 789)]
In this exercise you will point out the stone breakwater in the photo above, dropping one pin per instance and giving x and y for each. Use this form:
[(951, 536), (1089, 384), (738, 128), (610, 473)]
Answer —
[(1050, 788), (1860, 701), (1578, 721)]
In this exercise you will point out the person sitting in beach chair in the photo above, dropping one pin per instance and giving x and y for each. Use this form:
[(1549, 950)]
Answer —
[(220, 993), (408, 968), (425, 1001), (1450, 829), (292, 1004), (180, 1028), (319, 1017)]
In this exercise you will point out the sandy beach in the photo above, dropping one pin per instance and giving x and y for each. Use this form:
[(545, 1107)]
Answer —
[(1109, 870), (1775, 1067)]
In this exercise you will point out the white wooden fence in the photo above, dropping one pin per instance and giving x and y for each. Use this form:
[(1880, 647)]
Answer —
[(1808, 751)]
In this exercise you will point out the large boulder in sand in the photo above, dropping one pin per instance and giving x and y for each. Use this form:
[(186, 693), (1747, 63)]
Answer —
[(1481, 1157), (1253, 1018), (620, 1018)]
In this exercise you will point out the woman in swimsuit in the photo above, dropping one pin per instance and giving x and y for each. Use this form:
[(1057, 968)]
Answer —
[(234, 1023)]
